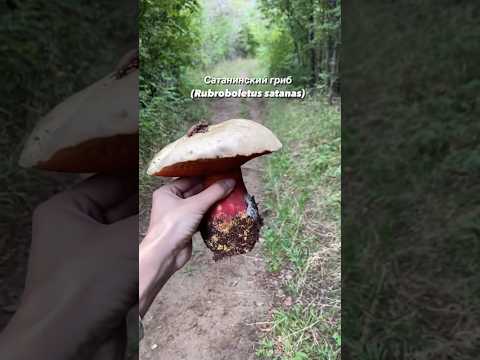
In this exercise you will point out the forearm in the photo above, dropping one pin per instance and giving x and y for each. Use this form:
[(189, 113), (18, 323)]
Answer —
[(70, 327), (156, 266), (45, 332), (23, 343), (49, 339)]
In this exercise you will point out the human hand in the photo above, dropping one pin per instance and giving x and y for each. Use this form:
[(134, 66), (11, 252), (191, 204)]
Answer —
[(82, 274), (177, 209)]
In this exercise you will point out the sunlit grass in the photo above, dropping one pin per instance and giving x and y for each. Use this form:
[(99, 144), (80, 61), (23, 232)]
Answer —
[(301, 333), (303, 180), (303, 234)]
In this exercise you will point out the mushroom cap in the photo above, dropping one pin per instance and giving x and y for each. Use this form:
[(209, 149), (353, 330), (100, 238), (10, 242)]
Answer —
[(94, 130), (220, 148)]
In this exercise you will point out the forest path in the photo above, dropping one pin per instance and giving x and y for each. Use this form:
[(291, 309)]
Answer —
[(208, 310)]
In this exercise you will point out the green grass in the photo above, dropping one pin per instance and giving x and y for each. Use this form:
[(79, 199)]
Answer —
[(302, 236), (302, 333), (302, 181)]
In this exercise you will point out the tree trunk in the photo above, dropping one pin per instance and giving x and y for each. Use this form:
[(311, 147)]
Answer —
[(334, 86), (313, 53)]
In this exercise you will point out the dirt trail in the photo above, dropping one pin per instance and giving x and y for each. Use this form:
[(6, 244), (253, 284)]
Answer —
[(208, 310)]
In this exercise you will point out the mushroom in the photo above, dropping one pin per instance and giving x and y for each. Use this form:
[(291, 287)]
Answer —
[(94, 130), (232, 225)]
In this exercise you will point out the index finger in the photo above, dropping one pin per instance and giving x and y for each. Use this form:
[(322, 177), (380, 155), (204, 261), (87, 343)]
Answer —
[(182, 185)]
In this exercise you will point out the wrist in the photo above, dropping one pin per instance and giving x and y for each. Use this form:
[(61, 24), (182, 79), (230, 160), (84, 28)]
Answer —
[(156, 266), (54, 330)]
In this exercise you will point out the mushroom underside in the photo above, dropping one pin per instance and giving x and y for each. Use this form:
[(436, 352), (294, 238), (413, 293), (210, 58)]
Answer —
[(103, 155), (203, 167)]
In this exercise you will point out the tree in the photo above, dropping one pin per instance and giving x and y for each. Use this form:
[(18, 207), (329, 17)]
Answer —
[(169, 40), (314, 27)]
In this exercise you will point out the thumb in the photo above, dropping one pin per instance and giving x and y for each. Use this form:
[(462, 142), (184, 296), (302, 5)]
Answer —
[(215, 192)]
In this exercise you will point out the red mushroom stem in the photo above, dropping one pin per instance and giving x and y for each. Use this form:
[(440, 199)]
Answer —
[(234, 203), (232, 225)]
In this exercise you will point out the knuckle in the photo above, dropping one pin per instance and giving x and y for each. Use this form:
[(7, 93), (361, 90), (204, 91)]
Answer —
[(40, 210), (159, 193), (48, 208)]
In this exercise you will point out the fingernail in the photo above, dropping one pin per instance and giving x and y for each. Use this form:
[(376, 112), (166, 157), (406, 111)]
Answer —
[(228, 184)]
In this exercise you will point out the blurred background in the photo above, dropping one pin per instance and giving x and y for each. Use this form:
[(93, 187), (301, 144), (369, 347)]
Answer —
[(50, 50), (410, 161)]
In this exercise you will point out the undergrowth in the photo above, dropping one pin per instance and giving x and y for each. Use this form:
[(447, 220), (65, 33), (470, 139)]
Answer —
[(166, 118), (303, 234)]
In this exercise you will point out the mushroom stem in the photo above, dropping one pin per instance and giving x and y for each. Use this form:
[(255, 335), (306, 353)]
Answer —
[(232, 225), (234, 202)]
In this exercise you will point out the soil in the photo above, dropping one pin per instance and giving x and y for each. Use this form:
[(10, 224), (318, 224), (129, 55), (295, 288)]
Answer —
[(201, 127), (211, 310)]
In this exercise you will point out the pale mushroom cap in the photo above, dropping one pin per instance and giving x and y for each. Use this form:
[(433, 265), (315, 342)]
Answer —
[(236, 139), (109, 107)]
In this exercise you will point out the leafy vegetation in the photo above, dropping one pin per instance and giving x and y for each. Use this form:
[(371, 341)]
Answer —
[(246, 45), (179, 40), (227, 31), (169, 38), (304, 40), (169, 41)]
